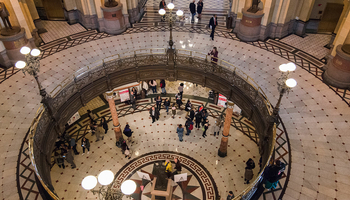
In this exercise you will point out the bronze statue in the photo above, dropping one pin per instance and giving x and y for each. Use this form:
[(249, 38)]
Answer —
[(254, 7), (111, 3), (4, 14)]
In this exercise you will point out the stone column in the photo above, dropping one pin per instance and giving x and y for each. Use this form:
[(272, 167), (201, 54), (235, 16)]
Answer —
[(224, 140), (116, 124)]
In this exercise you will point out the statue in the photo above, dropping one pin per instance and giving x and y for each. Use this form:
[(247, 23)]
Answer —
[(111, 3), (254, 7), (4, 13)]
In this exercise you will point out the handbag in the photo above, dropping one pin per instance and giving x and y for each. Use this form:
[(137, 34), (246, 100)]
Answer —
[(203, 129)]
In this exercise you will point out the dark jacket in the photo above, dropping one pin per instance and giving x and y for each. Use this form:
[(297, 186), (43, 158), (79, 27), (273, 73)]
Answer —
[(158, 101), (200, 7), (211, 22), (127, 131), (188, 106), (178, 166), (188, 123), (192, 114), (215, 56), (166, 103), (250, 164), (162, 83), (192, 8), (86, 143), (156, 112), (198, 117), (161, 5), (124, 146), (248, 174)]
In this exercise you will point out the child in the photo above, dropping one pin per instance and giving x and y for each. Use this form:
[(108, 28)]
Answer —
[(173, 110)]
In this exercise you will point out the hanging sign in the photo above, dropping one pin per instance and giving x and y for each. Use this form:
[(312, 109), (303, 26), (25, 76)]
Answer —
[(222, 101)]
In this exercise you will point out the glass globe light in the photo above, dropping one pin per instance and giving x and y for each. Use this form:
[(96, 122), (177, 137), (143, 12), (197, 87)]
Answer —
[(20, 64), (35, 52), (128, 187), (291, 66), (25, 50), (283, 68), (291, 83), (105, 177), (89, 182), (179, 13), (170, 6), (162, 11)]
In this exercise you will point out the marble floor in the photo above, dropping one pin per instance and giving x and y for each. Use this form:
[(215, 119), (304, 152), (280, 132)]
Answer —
[(312, 44), (227, 173), (59, 29), (314, 116)]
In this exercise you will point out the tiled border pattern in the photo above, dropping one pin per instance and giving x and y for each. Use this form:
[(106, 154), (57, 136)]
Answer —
[(203, 176)]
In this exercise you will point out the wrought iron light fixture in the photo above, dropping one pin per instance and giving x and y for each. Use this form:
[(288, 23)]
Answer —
[(107, 191)]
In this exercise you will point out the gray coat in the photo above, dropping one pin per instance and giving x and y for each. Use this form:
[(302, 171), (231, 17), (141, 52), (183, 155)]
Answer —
[(69, 156)]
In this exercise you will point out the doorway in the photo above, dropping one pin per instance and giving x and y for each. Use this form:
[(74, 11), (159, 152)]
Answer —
[(330, 18), (50, 9)]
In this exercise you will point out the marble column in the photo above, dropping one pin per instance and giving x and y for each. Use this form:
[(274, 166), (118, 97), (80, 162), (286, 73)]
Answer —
[(224, 140), (116, 124)]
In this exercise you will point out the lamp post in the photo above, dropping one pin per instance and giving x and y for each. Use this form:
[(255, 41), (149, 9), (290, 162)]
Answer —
[(31, 65), (285, 84), (171, 19), (106, 191)]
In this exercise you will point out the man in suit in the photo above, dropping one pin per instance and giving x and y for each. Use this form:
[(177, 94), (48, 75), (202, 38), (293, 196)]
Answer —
[(193, 10), (162, 5), (212, 24)]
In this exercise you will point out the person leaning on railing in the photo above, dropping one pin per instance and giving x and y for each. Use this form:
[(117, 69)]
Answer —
[(214, 55), (272, 174)]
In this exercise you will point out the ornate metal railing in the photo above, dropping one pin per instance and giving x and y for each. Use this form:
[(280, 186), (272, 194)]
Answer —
[(41, 137)]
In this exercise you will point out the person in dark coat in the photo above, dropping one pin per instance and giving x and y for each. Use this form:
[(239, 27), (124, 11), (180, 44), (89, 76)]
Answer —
[(135, 92), (90, 115), (192, 114), (133, 100), (189, 126), (188, 106), (230, 195), (73, 145), (248, 174), (214, 55), (193, 10), (178, 167), (199, 9), (158, 100), (154, 113), (162, 86), (205, 128), (178, 100), (198, 120), (128, 132), (212, 24), (166, 105), (85, 143), (104, 124), (125, 149), (59, 160)]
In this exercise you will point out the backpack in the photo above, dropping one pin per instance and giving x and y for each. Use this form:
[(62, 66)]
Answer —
[(191, 127), (161, 85)]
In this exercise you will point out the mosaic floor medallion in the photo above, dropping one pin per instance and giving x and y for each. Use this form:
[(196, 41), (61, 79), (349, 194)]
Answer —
[(199, 185)]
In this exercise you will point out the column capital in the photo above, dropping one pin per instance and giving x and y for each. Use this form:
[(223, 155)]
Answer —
[(109, 94), (230, 104)]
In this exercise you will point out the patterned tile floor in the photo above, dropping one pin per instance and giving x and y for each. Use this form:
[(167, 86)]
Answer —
[(59, 29), (320, 145), (312, 44), (227, 172)]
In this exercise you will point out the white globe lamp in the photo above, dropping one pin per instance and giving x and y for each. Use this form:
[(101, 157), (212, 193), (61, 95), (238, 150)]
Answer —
[(20, 64), (128, 187), (179, 13), (89, 182), (25, 50), (291, 66), (291, 83), (162, 11), (170, 6), (283, 68), (35, 52), (106, 177)]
